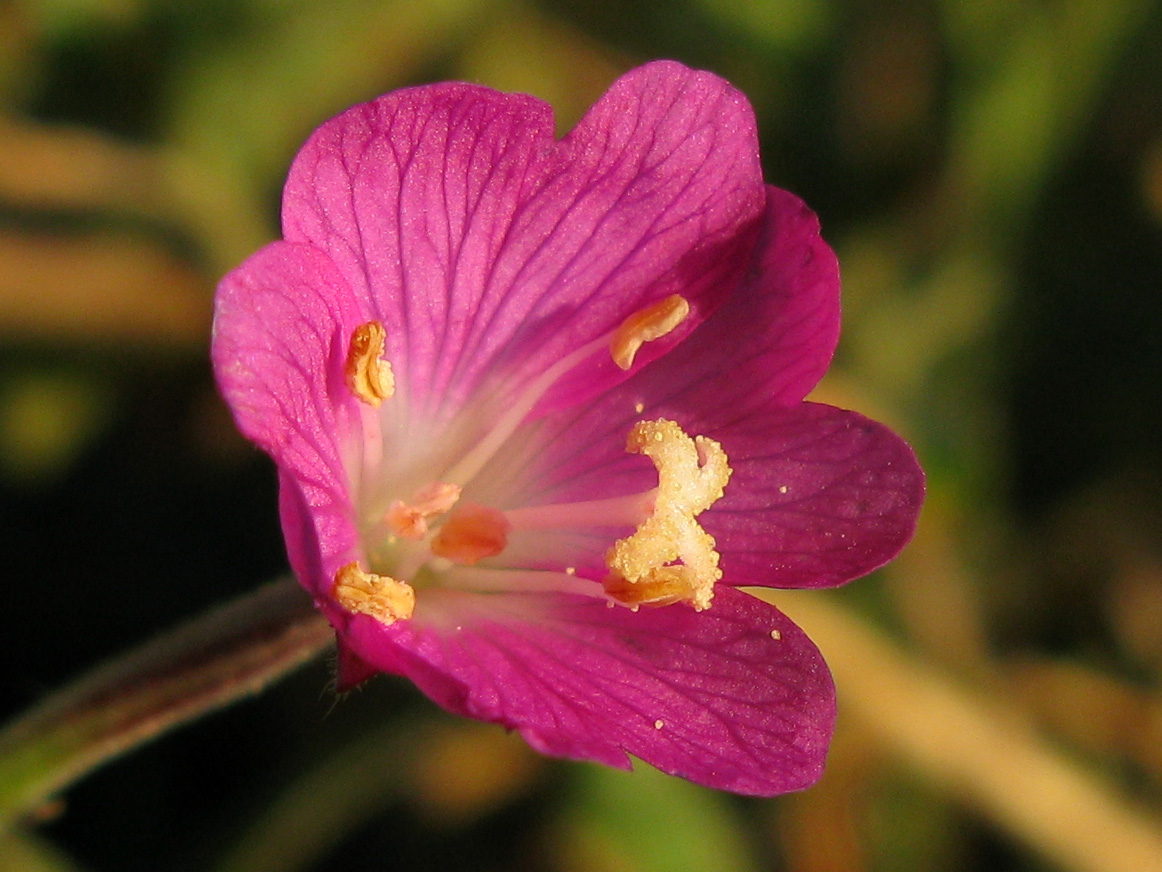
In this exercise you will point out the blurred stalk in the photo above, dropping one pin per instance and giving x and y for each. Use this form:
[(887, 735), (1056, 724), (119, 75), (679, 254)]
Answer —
[(979, 750), (452, 773), (231, 652), (26, 852), (324, 805)]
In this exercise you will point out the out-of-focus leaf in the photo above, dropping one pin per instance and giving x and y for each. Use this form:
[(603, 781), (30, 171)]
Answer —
[(318, 809), (523, 50), (977, 747), (22, 851), (824, 829), (250, 101), (60, 168), (455, 772), (909, 826), (463, 771), (17, 49), (56, 16), (644, 821), (1023, 96), (1095, 710), (46, 419), (240, 109), (1151, 180), (789, 25), (70, 168)]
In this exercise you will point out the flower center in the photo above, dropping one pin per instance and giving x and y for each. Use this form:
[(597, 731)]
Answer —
[(433, 537)]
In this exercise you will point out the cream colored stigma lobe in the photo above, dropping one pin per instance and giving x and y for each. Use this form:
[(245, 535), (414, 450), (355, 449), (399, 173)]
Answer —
[(410, 520), (692, 473), (646, 325), (380, 596), (367, 374)]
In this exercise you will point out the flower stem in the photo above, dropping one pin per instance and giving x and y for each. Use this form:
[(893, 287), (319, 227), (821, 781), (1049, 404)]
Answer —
[(215, 659)]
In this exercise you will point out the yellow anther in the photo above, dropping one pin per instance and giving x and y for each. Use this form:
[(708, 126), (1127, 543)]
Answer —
[(471, 534), (410, 520), (692, 474), (646, 325), (381, 596), (368, 375)]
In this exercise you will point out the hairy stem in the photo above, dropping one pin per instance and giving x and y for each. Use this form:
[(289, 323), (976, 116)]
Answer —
[(215, 659)]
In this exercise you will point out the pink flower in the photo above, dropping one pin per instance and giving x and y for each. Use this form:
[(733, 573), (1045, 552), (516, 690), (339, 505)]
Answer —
[(537, 411)]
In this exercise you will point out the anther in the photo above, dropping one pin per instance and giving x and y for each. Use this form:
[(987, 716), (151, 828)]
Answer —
[(380, 596), (646, 325), (367, 374)]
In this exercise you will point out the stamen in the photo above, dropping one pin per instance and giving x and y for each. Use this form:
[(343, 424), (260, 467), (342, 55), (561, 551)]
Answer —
[(410, 521), (369, 376), (626, 511), (510, 419), (479, 579), (652, 322), (646, 325), (381, 596), (692, 474), (471, 534)]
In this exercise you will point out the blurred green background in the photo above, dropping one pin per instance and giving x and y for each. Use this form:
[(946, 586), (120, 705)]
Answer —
[(990, 173)]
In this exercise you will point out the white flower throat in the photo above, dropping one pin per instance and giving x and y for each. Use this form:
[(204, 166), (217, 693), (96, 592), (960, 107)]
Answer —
[(431, 534)]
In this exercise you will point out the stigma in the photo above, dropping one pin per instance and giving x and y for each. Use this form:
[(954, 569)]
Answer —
[(367, 374), (670, 558), (410, 520), (380, 596)]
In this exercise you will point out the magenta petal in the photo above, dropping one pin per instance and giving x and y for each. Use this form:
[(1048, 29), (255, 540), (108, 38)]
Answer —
[(767, 346), (774, 339), (281, 324), (797, 282), (714, 696), (488, 249), (853, 488), (819, 496)]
